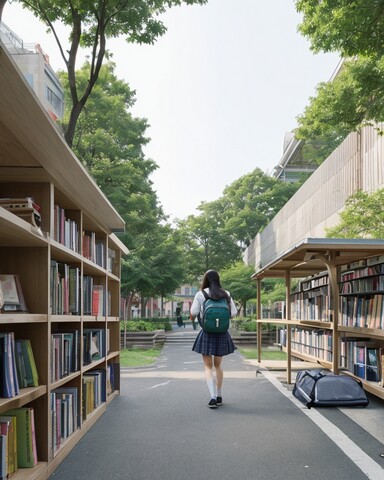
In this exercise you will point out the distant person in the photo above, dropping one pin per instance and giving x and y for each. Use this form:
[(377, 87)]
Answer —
[(213, 346)]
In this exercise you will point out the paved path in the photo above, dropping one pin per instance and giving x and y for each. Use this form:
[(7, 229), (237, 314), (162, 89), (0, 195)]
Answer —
[(160, 428)]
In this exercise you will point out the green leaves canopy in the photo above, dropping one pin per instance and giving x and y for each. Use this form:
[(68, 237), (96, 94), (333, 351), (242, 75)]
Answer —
[(363, 217), (237, 280), (250, 202), (349, 27), (217, 237)]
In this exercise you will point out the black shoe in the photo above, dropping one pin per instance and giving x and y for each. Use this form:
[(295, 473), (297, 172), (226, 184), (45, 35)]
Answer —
[(212, 403), (219, 401)]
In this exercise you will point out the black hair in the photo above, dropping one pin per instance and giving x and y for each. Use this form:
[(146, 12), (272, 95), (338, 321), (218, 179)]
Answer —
[(211, 280)]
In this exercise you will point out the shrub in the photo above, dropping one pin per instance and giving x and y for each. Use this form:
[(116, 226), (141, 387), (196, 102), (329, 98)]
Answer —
[(143, 325), (249, 326)]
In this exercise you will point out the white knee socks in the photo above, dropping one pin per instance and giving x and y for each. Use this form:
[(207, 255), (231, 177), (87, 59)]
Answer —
[(211, 387)]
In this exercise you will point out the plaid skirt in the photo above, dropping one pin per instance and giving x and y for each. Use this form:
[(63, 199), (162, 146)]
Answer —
[(218, 344)]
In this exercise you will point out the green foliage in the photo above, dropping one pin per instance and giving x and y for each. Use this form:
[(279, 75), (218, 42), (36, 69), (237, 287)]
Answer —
[(249, 326), (250, 203), (145, 325), (217, 236), (353, 99), (363, 217), (349, 27), (237, 279), (205, 244), (273, 290)]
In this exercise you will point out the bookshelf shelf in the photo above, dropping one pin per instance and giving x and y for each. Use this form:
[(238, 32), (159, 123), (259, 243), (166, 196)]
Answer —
[(362, 332), (50, 273), (26, 395), (6, 318), (65, 380), (30, 473), (93, 365), (112, 355), (310, 358), (66, 318)]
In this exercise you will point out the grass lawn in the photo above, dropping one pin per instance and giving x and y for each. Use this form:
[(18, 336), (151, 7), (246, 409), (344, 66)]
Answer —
[(266, 353), (136, 357)]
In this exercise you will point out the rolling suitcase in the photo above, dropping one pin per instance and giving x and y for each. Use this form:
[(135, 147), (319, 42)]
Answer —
[(319, 388)]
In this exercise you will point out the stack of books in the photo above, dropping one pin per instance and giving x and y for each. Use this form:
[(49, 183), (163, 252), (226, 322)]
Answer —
[(24, 207)]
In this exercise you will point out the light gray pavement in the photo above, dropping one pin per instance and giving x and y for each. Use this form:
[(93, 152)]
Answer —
[(160, 428)]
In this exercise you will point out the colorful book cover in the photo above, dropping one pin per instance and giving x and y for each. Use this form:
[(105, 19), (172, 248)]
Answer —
[(25, 456)]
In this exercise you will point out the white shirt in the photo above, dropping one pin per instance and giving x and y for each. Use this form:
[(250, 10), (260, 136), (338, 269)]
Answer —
[(198, 302)]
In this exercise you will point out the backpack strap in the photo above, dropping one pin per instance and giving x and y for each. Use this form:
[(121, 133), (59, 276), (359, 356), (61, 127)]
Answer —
[(206, 296)]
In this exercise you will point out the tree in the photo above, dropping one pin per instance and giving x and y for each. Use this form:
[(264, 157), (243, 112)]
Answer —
[(237, 280), (349, 27), (205, 244), (362, 217), (91, 24), (217, 236), (156, 268), (250, 202)]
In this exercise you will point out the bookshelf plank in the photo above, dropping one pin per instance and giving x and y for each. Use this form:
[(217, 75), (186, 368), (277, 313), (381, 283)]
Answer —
[(17, 232), (6, 318), (63, 381), (26, 395)]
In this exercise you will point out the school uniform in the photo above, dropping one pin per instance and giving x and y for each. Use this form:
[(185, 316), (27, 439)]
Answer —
[(217, 344)]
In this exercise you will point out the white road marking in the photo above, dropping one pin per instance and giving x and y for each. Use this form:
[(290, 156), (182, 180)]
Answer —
[(159, 385), (364, 462)]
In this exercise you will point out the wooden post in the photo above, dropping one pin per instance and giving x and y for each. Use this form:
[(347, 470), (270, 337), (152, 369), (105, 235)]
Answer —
[(335, 305), (288, 326), (258, 317)]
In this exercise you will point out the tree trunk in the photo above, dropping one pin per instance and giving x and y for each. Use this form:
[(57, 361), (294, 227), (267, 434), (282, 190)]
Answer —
[(143, 303)]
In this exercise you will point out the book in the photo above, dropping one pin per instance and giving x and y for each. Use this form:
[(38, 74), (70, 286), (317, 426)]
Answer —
[(13, 298), (64, 359), (65, 414), (27, 374), (8, 427), (24, 207), (9, 382), (1, 296), (24, 435), (3, 455)]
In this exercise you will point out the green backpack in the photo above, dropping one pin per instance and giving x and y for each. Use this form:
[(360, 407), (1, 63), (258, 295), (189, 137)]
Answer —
[(216, 314)]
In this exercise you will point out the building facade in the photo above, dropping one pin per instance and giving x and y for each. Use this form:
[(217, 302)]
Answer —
[(34, 65)]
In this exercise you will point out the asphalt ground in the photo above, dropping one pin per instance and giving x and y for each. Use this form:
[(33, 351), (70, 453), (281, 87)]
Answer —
[(160, 428)]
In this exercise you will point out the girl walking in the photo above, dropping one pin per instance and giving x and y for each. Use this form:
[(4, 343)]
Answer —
[(212, 346)]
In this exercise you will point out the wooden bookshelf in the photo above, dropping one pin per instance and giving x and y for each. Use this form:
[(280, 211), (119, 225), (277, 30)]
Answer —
[(324, 267), (36, 162)]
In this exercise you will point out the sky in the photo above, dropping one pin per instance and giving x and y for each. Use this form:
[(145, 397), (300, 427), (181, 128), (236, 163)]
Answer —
[(220, 89)]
